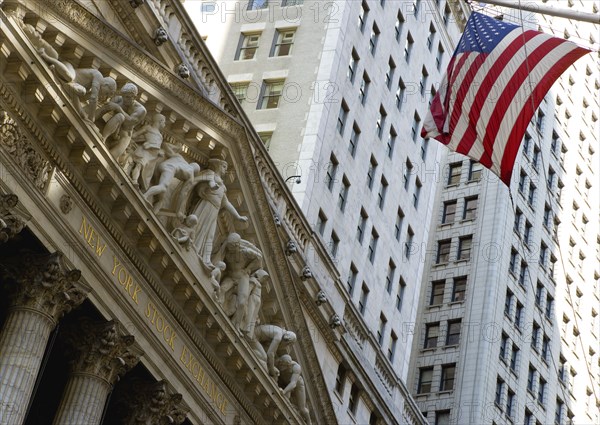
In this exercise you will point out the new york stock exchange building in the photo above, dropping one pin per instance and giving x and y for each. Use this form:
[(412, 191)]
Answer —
[(154, 269)]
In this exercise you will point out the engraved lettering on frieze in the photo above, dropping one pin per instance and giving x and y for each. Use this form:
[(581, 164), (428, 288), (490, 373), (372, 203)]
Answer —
[(92, 237)]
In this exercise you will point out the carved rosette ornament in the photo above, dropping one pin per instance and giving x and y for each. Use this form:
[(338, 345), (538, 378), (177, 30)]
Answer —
[(42, 283), (66, 204), (154, 404), (101, 349), (10, 224)]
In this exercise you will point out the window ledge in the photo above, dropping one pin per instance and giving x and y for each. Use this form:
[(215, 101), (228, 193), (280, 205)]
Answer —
[(441, 264), (466, 220), (445, 392), (462, 260), (450, 346), (452, 185), (457, 302)]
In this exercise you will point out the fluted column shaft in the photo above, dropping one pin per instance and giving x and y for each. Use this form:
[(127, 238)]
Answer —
[(83, 401), (23, 340)]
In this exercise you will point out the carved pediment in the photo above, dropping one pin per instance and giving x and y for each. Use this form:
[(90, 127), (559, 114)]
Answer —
[(174, 181)]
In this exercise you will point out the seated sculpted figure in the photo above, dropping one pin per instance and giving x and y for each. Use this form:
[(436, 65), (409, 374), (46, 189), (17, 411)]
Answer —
[(257, 280), (146, 154), (82, 84), (291, 377), (128, 113), (276, 338), (174, 166)]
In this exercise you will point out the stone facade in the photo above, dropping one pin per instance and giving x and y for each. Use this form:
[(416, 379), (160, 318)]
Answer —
[(146, 276)]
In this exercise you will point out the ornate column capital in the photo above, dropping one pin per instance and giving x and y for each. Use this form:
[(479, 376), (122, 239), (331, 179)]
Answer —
[(101, 349), (43, 283), (10, 223), (154, 404)]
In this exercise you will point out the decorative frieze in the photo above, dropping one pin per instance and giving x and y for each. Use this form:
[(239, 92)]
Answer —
[(28, 160), (10, 224)]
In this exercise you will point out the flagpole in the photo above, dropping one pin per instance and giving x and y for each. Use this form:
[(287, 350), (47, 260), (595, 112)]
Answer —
[(547, 10)]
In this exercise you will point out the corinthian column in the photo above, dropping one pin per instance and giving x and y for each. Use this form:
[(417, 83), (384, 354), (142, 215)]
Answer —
[(154, 403), (41, 291), (102, 353)]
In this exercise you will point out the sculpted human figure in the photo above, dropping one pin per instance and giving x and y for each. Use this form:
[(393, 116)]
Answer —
[(291, 377), (146, 154), (184, 234), (128, 114), (215, 278), (174, 166), (82, 84), (242, 259), (257, 279), (211, 190), (276, 337)]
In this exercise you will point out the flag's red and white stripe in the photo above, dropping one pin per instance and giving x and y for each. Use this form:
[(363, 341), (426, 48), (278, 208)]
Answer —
[(487, 100)]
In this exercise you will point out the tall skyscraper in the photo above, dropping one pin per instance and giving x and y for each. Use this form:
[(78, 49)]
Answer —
[(508, 314), (337, 90)]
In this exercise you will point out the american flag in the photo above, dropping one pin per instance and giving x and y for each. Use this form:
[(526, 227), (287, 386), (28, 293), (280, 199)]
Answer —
[(495, 81)]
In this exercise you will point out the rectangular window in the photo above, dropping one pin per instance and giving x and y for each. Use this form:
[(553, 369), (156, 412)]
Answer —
[(398, 225), (391, 142), (247, 46), (362, 16), (381, 330), (414, 131), (454, 173), (373, 39), (392, 346), (406, 172), (510, 400), (354, 136), (508, 302), (371, 172), (522, 273), (514, 358), (449, 212), (380, 122), (442, 417), (331, 172), (389, 278), (518, 315), (352, 275), (459, 288), (522, 180), (470, 210), (400, 94), (539, 292), (342, 115), (512, 265), (373, 245), (439, 56), (535, 336), (266, 139), (531, 196), (363, 90), (353, 399), (408, 245), (389, 75), (518, 220), (362, 224), (475, 171), (362, 301), (545, 348), (503, 345), (340, 379), (334, 244), (270, 94), (321, 222), (343, 196), (284, 40), (527, 233), (423, 82), (464, 247), (531, 378), (425, 380), (437, 292), (541, 390), (408, 46), (382, 192), (432, 333), (549, 306), (400, 294), (354, 59), (431, 36), (443, 251), (499, 392), (447, 381), (398, 26), (257, 4), (240, 90), (453, 335), (417, 193)]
